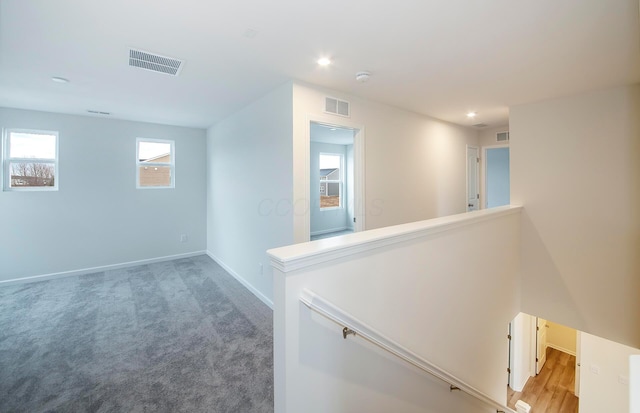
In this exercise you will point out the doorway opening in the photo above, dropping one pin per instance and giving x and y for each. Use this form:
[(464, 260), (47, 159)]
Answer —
[(579, 371), (544, 365), (496, 176), (331, 180)]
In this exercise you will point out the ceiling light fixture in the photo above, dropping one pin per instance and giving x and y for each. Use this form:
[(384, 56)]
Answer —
[(324, 61), (59, 79), (471, 115)]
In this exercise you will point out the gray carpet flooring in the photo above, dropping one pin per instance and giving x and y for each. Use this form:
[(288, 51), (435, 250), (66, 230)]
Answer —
[(177, 336), (331, 234)]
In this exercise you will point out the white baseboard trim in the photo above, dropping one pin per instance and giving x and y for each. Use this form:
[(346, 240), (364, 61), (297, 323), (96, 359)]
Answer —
[(520, 386), (326, 231), (242, 281), (92, 270), (564, 350)]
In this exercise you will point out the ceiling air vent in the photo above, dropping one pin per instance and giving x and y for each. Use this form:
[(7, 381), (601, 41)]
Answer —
[(480, 125), (336, 106), (502, 136), (154, 62)]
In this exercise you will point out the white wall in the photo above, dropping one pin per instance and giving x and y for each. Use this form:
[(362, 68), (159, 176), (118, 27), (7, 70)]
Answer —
[(575, 170), (334, 219), (561, 337), (415, 165), (98, 217), (604, 375), (521, 350), (634, 384), (443, 288), (487, 137), (249, 188)]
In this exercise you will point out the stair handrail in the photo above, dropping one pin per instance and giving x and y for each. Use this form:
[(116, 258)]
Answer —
[(353, 326)]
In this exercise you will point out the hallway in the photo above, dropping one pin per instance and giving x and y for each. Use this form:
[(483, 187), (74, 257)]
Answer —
[(551, 391)]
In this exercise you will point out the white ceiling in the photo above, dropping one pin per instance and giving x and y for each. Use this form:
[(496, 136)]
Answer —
[(331, 134), (436, 57)]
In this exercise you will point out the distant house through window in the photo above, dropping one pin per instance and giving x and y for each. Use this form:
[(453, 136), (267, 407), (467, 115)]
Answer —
[(31, 160), (155, 161), (330, 180)]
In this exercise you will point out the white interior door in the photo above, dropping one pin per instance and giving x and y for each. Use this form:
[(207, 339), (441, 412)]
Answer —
[(473, 178), (541, 343)]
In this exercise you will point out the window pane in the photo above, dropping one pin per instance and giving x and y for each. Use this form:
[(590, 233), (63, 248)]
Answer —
[(154, 152), (330, 171), (155, 176), (329, 194), (329, 161), (32, 174), (32, 145)]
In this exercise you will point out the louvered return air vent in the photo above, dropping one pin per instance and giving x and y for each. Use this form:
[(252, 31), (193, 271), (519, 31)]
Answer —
[(480, 125), (336, 107), (154, 62), (502, 136)]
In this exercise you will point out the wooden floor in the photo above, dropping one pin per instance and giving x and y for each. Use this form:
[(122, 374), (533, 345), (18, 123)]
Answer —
[(551, 391)]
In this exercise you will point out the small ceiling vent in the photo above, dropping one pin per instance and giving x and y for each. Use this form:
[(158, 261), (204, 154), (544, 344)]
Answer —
[(480, 125), (502, 136), (336, 107), (154, 62)]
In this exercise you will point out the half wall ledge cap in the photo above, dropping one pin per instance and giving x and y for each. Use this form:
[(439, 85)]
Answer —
[(297, 256)]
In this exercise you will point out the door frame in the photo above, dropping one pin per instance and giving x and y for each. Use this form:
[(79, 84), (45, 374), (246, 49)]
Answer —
[(537, 334), (359, 206), (466, 162), (483, 171)]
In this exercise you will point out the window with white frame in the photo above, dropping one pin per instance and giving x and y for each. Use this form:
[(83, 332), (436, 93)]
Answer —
[(330, 180), (155, 163), (30, 160)]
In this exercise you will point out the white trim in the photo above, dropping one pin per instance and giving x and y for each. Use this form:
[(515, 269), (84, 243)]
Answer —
[(359, 195), (306, 254), (92, 270), (241, 280), (339, 316), (564, 350), (466, 162), (326, 231)]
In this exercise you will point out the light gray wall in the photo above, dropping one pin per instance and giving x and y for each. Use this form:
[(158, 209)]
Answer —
[(250, 189), (98, 217), (415, 166), (497, 180), (323, 221), (575, 169)]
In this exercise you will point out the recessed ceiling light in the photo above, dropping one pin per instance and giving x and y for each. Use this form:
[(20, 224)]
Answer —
[(59, 79), (324, 61), (332, 129), (471, 115)]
